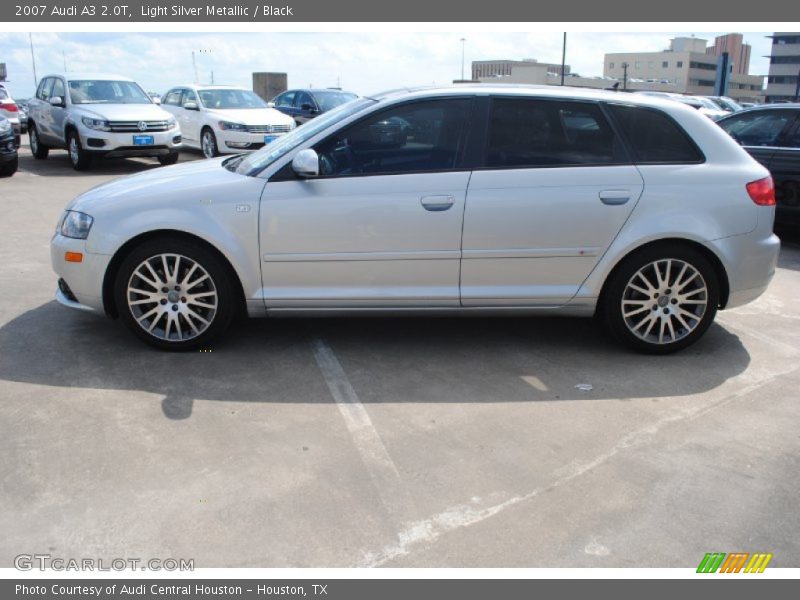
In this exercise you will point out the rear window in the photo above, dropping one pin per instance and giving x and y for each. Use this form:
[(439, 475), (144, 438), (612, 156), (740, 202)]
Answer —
[(543, 133), (654, 137)]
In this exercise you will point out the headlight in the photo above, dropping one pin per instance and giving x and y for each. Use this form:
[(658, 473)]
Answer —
[(5, 125), (76, 225), (228, 126), (98, 124), (171, 123)]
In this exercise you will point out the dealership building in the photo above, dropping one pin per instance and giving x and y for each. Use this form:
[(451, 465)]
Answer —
[(688, 66)]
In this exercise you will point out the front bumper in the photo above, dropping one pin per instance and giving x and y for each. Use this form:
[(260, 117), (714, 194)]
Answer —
[(236, 142), (122, 144), (84, 279)]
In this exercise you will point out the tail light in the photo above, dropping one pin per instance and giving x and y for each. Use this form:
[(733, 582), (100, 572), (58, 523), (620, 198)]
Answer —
[(762, 191), (9, 106)]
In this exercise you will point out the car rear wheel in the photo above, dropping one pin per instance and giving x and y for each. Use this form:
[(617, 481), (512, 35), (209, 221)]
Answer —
[(38, 149), (208, 143), (80, 158), (9, 168), (662, 299), (175, 294)]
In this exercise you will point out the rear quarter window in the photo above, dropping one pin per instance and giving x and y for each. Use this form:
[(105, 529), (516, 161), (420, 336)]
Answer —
[(654, 137)]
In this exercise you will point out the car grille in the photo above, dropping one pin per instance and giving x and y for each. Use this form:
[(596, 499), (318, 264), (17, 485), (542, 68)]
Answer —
[(268, 128), (133, 126)]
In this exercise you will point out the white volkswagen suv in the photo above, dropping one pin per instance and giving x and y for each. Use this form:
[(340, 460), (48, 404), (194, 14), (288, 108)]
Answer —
[(99, 115), (479, 200), (223, 119)]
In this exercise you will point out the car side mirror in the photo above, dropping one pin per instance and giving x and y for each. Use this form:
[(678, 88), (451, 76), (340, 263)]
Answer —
[(270, 105), (57, 101), (156, 100), (305, 163), (191, 105)]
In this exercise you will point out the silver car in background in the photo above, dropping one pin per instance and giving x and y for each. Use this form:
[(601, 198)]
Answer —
[(482, 200), (95, 116)]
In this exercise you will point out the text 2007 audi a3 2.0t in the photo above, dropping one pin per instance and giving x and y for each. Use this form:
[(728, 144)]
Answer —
[(474, 199)]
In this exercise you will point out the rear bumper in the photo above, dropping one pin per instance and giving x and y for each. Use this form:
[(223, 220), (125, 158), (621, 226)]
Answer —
[(750, 265)]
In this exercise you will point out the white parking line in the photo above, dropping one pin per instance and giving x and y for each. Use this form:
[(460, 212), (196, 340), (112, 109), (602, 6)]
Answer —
[(382, 470)]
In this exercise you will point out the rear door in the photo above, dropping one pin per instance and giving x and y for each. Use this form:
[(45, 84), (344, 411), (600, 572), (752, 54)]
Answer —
[(555, 188)]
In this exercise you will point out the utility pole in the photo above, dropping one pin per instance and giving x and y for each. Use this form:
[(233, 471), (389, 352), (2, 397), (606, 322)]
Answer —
[(64, 56), (625, 75), (33, 60), (194, 65), (563, 57), (463, 45)]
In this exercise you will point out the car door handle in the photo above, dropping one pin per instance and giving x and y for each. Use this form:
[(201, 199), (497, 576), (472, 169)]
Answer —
[(614, 197), (437, 203)]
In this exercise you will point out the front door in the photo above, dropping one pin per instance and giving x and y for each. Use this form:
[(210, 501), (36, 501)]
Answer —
[(381, 226)]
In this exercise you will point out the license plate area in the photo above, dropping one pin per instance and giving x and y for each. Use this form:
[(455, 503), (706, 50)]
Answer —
[(143, 140), (270, 138)]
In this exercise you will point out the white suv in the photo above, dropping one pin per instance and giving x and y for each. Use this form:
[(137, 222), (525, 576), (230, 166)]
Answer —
[(221, 119), (99, 115)]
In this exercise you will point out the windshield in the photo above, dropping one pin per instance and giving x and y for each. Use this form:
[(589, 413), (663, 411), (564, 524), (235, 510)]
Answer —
[(329, 100), (86, 91), (256, 162), (230, 99)]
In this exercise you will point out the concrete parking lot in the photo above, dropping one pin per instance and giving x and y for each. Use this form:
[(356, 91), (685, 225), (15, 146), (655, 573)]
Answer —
[(406, 442)]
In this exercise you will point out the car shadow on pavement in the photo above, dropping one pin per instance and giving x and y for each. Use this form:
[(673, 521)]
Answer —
[(57, 165), (789, 257), (444, 360)]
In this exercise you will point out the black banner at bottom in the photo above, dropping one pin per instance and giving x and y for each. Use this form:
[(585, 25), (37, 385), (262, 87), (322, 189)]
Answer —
[(732, 586)]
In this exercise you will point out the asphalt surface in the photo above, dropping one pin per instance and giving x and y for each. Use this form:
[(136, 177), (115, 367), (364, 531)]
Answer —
[(378, 442)]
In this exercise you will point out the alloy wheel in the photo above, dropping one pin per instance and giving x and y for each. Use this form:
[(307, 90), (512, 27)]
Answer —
[(664, 301), (209, 147), (74, 151), (172, 297)]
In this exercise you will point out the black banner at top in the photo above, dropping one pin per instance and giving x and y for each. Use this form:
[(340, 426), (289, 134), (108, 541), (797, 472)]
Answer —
[(201, 11)]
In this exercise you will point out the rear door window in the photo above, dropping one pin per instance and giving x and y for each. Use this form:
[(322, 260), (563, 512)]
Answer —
[(654, 137), (529, 132)]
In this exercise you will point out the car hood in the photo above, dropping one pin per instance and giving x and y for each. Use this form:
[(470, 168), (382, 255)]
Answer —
[(161, 182), (123, 112), (252, 116)]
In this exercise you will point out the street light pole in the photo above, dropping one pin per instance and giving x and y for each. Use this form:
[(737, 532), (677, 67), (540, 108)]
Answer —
[(33, 60), (624, 76), (563, 57), (463, 45)]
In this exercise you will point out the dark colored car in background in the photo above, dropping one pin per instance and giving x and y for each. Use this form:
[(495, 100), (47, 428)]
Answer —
[(8, 148), (771, 134), (304, 105)]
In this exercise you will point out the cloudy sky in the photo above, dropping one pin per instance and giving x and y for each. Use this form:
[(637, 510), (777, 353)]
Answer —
[(361, 62)]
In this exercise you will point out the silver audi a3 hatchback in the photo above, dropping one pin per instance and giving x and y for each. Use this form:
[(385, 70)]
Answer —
[(479, 199)]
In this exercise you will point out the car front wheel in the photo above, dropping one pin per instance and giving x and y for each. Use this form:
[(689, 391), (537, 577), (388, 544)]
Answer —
[(662, 299), (168, 159), (80, 158), (9, 168), (175, 294), (208, 143)]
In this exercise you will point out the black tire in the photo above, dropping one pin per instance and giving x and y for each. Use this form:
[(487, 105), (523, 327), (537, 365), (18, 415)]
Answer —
[(220, 281), (208, 143), (169, 159), (9, 168), (38, 149), (78, 156), (667, 305)]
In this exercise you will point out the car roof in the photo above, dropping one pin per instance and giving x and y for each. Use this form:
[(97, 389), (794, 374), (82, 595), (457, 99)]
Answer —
[(539, 91), (200, 86), (318, 90), (90, 76)]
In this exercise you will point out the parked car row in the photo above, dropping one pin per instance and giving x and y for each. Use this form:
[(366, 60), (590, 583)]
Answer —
[(9, 142), (94, 115)]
